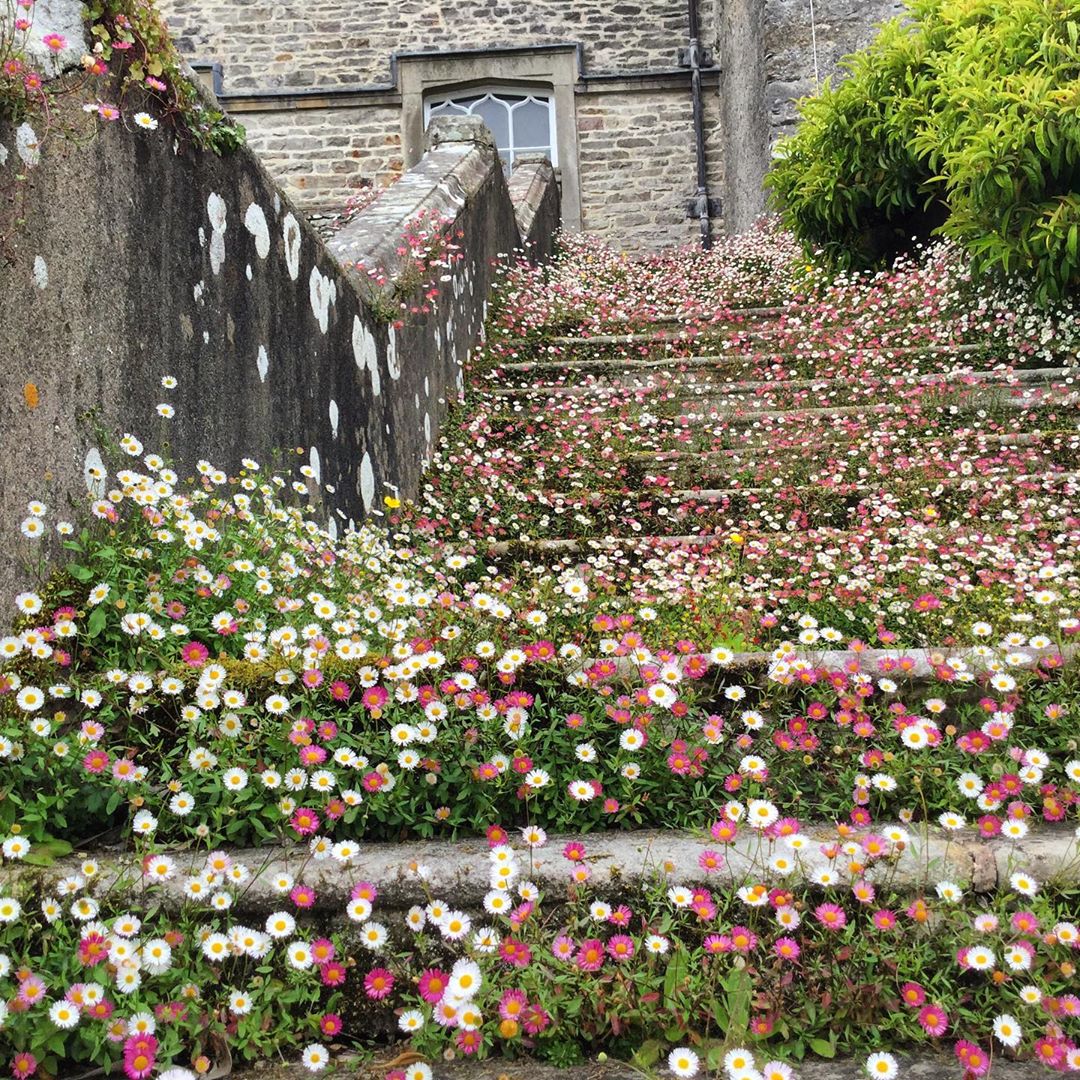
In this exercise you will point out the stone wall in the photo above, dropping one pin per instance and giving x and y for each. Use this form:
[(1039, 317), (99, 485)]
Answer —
[(842, 27), (320, 84), (138, 259), (321, 156), (638, 166), (340, 43)]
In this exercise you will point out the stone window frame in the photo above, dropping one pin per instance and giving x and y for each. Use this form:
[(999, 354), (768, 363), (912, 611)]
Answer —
[(551, 69)]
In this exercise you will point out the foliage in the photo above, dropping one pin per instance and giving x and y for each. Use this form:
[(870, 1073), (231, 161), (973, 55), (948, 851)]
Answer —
[(428, 249), (132, 63), (965, 118), (208, 667)]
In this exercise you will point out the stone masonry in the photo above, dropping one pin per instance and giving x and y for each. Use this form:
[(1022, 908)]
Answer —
[(320, 87)]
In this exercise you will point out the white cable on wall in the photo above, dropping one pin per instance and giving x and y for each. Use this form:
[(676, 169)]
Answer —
[(813, 41)]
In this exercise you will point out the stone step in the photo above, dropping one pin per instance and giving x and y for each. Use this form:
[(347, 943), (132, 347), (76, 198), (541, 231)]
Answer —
[(731, 473), (712, 360), (950, 380), (739, 413), (810, 497), (1043, 439), (460, 868), (821, 536), (607, 332), (922, 1064), (968, 483)]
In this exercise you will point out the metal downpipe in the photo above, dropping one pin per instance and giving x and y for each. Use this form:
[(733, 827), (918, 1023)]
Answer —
[(701, 199)]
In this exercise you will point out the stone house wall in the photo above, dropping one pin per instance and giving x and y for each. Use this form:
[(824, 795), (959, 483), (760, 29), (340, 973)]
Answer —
[(324, 89)]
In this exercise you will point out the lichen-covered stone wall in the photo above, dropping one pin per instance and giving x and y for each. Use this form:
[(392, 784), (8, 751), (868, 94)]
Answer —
[(842, 27), (138, 261)]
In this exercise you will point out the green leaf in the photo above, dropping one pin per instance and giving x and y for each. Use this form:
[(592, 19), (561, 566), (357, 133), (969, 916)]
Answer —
[(647, 1054), (822, 1048), (675, 975), (79, 573), (96, 623), (46, 852)]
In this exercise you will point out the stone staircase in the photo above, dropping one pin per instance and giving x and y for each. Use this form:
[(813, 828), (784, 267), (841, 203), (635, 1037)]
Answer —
[(678, 438), (733, 466)]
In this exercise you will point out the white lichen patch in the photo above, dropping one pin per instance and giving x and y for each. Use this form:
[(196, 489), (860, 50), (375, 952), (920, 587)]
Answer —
[(366, 353), (27, 145), (3, 154), (94, 472), (322, 291), (367, 482), (290, 231), (216, 210), (333, 410), (255, 223), (316, 465), (262, 363), (392, 365), (40, 273)]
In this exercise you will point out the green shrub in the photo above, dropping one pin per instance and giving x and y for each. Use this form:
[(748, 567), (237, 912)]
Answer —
[(963, 120)]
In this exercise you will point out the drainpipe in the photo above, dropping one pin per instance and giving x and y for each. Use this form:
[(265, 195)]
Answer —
[(701, 198)]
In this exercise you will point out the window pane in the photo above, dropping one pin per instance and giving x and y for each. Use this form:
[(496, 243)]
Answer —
[(447, 108), (496, 117), (532, 125)]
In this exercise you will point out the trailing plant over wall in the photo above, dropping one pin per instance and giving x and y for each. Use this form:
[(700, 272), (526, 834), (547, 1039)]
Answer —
[(964, 120), (132, 69)]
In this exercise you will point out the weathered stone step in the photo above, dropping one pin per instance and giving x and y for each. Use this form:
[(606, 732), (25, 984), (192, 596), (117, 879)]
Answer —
[(729, 318), (1042, 439), (916, 485), (953, 380), (811, 495), (740, 472), (818, 535), (741, 413), (915, 1065), (621, 860), (755, 461), (712, 360)]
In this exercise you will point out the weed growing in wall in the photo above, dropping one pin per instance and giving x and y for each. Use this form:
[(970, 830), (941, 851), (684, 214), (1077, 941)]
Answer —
[(131, 72), (426, 253)]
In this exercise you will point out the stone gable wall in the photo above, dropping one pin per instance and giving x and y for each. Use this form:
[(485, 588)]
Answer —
[(339, 43)]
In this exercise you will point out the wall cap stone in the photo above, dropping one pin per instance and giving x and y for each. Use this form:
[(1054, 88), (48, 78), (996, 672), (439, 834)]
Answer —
[(460, 162), (458, 129)]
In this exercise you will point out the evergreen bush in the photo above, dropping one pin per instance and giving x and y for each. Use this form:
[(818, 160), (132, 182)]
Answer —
[(962, 118)]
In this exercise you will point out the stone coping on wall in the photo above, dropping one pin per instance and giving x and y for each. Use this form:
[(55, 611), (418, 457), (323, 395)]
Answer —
[(621, 862), (535, 195), (460, 159)]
